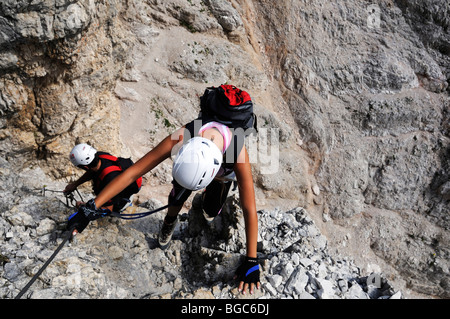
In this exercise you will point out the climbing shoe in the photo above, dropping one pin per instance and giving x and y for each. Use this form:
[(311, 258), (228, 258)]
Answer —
[(166, 232)]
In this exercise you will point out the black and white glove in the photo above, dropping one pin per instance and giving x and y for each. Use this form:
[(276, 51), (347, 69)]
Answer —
[(85, 214), (92, 212)]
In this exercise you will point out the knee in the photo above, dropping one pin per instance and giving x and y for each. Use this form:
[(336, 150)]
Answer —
[(211, 208), (178, 196)]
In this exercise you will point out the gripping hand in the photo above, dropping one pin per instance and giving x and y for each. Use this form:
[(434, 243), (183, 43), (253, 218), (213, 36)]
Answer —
[(248, 271), (84, 215)]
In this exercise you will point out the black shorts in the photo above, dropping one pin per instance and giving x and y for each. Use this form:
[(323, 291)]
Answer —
[(213, 197)]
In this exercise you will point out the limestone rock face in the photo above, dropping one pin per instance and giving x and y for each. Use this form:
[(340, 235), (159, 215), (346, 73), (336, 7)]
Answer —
[(352, 102), (59, 61)]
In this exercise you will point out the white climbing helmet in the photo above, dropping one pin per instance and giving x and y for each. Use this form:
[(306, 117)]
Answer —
[(82, 154), (197, 163)]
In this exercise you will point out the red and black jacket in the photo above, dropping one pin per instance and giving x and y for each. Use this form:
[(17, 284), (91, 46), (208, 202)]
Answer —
[(110, 168)]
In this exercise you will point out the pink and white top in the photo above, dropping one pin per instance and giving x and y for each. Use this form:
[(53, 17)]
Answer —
[(223, 129)]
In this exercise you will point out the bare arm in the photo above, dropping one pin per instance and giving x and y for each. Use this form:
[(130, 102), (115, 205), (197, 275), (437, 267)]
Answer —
[(83, 179), (161, 152), (247, 196), (243, 171)]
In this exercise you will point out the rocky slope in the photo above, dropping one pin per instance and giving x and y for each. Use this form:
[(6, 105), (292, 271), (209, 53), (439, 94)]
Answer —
[(115, 258), (353, 108)]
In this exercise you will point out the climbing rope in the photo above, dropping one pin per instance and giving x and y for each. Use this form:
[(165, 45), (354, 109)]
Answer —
[(67, 236), (137, 215), (143, 214)]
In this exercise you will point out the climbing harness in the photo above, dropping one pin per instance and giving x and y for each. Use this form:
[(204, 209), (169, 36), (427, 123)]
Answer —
[(67, 236)]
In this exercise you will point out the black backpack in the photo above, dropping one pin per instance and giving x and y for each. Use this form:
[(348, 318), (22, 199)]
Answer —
[(228, 105), (120, 164)]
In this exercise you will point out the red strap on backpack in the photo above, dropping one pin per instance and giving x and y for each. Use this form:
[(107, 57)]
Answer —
[(235, 96), (108, 157), (114, 168), (108, 170)]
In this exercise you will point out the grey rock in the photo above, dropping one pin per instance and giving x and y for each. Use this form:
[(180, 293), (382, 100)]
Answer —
[(225, 14), (11, 271), (325, 290), (297, 282), (306, 262), (368, 122), (397, 295), (343, 286), (305, 295), (46, 226), (270, 289), (275, 280), (356, 292)]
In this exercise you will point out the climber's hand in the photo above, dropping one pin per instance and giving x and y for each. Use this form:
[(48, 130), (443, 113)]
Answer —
[(248, 275), (92, 212), (77, 222), (85, 214), (69, 188)]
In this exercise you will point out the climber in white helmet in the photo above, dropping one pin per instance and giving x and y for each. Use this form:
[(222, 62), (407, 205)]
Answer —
[(208, 155), (101, 168)]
